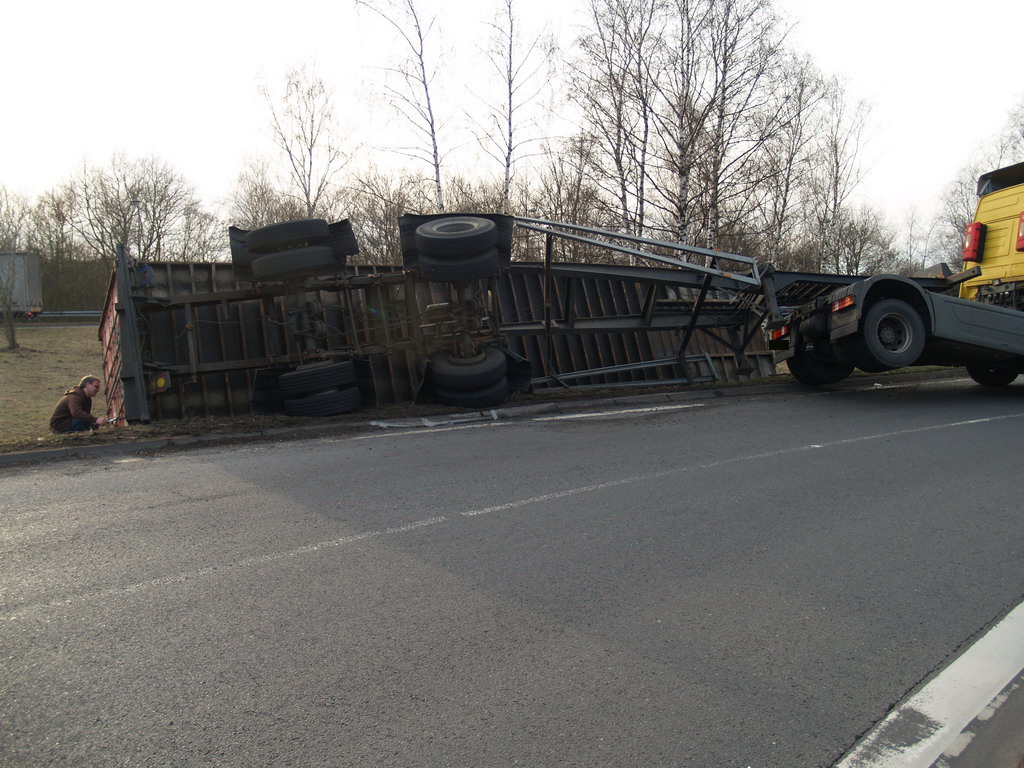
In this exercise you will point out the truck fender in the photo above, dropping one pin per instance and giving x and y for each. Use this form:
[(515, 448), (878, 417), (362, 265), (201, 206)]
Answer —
[(870, 291)]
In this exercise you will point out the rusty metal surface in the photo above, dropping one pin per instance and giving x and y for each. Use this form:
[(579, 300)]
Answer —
[(204, 337)]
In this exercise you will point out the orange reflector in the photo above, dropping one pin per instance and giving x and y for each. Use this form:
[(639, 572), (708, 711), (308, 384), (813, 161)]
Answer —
[(974, 241), (844, 303)]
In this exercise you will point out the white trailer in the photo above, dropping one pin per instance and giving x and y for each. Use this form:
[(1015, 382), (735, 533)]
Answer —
[(21, 283)]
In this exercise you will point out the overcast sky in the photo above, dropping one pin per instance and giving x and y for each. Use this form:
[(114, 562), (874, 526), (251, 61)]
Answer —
[(180, 80)]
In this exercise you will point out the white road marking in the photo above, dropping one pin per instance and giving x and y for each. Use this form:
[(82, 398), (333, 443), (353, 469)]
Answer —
[(563, 494), (929, 724), (600, 414), (259, 559), (426, 431)]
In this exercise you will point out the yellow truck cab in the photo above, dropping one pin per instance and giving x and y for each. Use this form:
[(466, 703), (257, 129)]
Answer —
[(995, 240)]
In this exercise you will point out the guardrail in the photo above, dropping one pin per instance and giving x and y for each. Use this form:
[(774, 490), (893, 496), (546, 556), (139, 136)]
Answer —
[(74, 313)]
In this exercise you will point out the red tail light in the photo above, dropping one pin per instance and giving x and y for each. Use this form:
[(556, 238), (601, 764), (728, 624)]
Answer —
[(1020, 232), (778, 333), (844, 303), (974, 241)]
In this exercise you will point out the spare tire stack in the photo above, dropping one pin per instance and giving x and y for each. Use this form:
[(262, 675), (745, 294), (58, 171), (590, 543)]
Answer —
[(476, 382), (320, 389), (462, 249), (457, 249), (292, 250)]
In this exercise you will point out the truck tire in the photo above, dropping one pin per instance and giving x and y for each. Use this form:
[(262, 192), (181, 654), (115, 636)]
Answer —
[(461, 375), (852, 348), (814, 367), (989, 377), (296, 263), (330, 402), (316, 378), (892, 335), (487, 397), (475, 266), (455, 235), (241, 257), (288, 235)]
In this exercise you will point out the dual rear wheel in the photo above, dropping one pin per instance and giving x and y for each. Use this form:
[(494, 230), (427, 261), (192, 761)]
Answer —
[(320, 389), (892, 335), (477, 382)]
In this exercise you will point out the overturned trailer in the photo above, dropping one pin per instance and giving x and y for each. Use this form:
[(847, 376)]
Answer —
[(188, 340)]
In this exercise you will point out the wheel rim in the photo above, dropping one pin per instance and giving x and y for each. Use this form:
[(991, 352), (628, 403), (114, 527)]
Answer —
[(894, 333), (456, 227)]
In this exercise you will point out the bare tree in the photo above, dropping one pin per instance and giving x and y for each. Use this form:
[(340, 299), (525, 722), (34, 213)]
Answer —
[(144, 204), (565, 191), (782, 166), (302, 125), (864, 245), (1011, 139), (517, 66), (258, 201), (916, 245), (745, 49), (413, 97), (613, 85), (836, 174), (682, 115), (71, 277), (377, 201)]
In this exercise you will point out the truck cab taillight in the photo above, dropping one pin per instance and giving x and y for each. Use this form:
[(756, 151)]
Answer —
[(844, 303), (1020, 232), (974, 241)]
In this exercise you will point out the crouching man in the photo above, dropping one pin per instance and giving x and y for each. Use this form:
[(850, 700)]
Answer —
[(74, 410)]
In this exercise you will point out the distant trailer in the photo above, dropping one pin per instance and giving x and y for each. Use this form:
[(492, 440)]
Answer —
[(21, 274)]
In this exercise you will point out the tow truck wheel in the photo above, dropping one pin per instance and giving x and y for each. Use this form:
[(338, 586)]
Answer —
[(853, 349), (988, 377), (893, 335), (816, 367)]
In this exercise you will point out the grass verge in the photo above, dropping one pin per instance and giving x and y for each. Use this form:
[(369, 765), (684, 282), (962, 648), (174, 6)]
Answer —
[(33, 376)]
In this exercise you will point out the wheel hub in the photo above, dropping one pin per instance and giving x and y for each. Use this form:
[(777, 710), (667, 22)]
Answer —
[(893, 333)]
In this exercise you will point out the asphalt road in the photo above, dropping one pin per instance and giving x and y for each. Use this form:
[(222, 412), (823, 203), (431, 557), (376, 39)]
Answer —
[(750, 581)]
